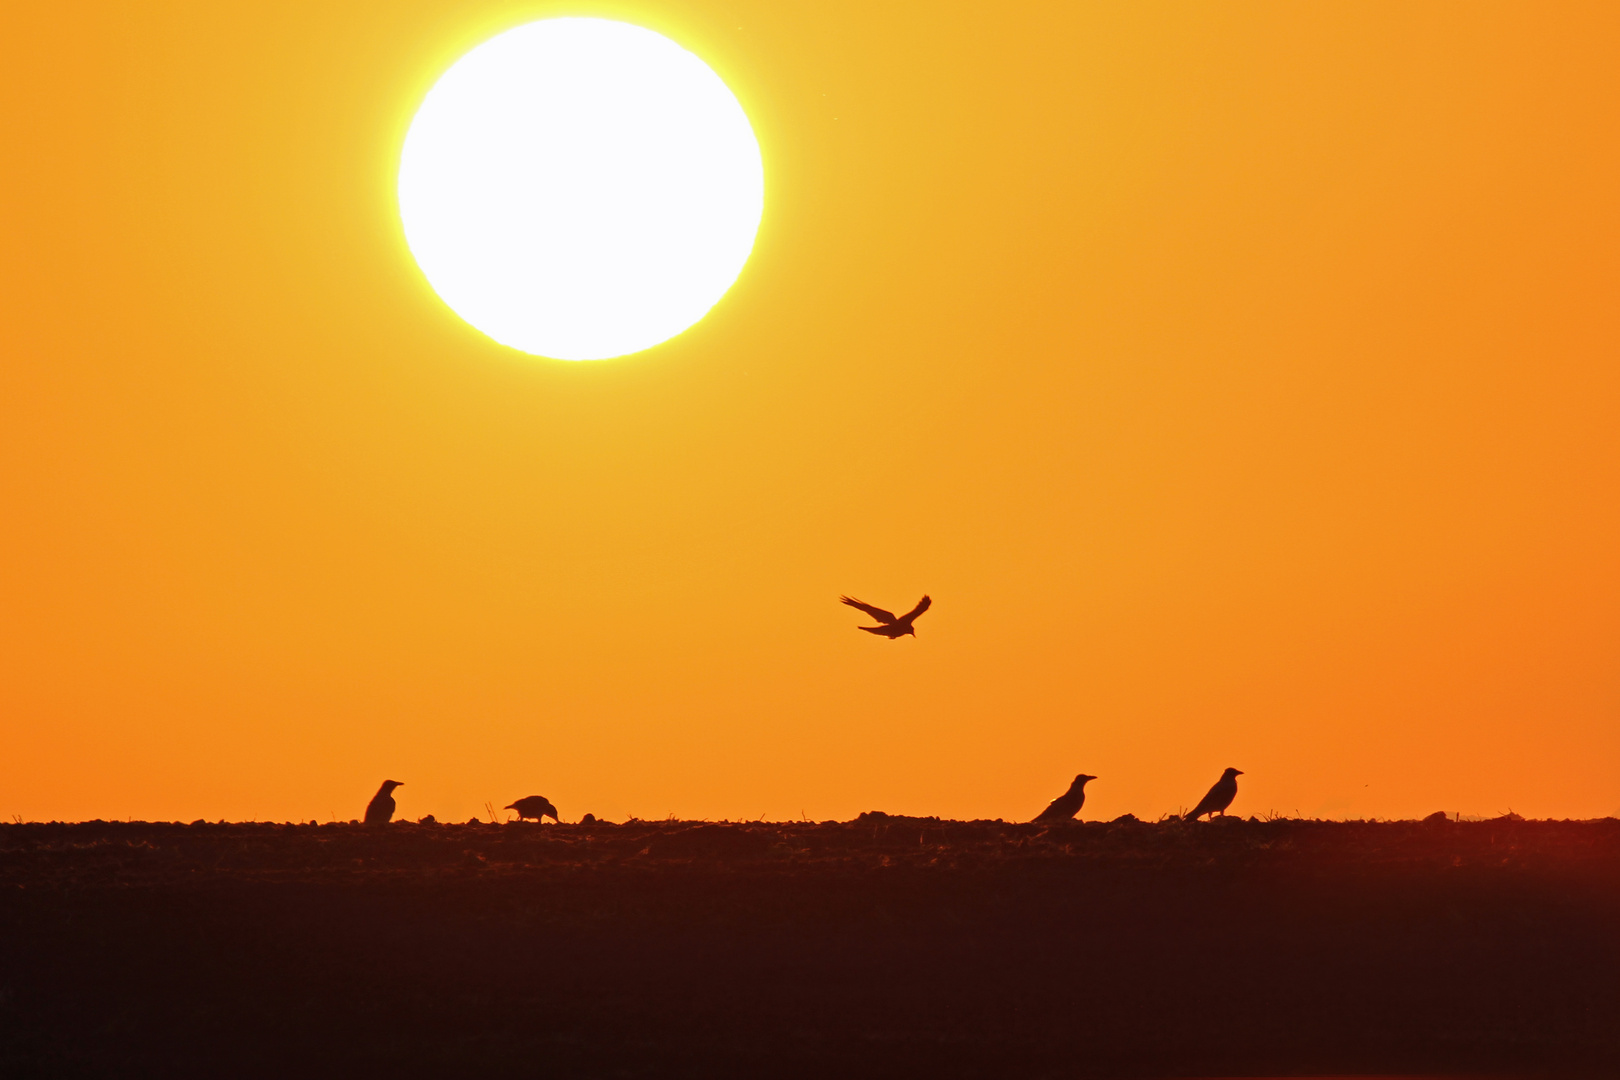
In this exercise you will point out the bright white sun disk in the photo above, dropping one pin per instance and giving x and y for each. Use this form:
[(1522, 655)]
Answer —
[(580, 188)]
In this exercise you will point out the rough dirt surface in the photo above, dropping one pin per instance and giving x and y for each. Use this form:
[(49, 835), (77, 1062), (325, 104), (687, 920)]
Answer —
[(883, 947)]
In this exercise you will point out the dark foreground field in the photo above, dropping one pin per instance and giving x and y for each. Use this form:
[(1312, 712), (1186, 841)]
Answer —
[(883, 947)]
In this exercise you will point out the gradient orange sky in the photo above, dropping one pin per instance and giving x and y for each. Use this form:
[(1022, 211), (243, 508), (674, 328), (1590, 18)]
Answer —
[(1240, 379)]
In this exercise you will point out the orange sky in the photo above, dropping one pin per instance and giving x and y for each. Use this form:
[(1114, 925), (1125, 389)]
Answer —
[(1240, 379)]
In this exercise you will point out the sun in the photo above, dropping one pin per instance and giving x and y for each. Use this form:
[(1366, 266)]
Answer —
[(580, 188)]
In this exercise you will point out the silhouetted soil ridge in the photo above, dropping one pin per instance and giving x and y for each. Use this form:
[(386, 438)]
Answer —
[(887, 946), (130, 853)]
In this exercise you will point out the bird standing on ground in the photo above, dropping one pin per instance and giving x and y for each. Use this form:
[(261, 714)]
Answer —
[(380, 810), (535, 806), (1219, 798), (1066, 805), (892, 627)]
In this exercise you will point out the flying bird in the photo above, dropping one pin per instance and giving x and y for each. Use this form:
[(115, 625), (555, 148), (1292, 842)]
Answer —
[(535, 806), (1219, 798), (1068, 804), (380, 810), (892, 627)]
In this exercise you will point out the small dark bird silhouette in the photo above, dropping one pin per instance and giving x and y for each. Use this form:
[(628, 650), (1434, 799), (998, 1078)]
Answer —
[(1219, 798), (1068, 804), (380, 810), (535, 806), (892, 627)]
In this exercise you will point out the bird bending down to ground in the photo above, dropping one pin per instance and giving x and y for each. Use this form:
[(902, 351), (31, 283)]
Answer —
[(1068, 804), (535, 806), (380, 810), (892, 627), (1219, 798)]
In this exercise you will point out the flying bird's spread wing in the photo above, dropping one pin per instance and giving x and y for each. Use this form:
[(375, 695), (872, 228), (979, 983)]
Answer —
[(876, 612), (922, 606)]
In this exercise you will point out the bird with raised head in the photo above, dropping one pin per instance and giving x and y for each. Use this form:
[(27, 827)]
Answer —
[(1066, 805), (1219, 798), (535, 806), (892, 626), (380, 810)]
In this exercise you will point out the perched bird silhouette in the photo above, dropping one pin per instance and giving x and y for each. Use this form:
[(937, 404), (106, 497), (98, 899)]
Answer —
[(535, 806), (1068, 804), (892, 627), (1219, 798), (380, 810)]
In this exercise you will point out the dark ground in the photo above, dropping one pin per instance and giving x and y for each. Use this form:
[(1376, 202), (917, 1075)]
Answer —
[(886, 947)]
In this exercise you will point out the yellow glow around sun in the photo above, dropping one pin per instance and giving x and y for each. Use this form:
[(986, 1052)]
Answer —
[(580, 188)]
